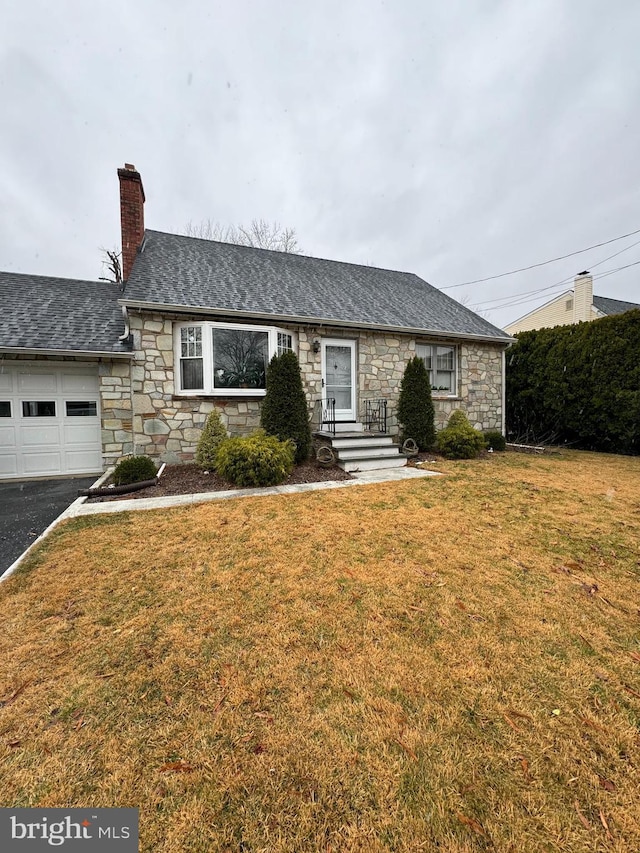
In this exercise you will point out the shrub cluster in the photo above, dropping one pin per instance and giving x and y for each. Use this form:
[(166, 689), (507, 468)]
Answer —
[(134, 469), (212, 437), (255, 460), (577, 384), (415, 405), (495, 440), (459, 440), (284, 412)]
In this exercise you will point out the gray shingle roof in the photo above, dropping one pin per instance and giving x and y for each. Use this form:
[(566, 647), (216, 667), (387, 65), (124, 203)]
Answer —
[(171, 270), (613, 306), (39, 312)]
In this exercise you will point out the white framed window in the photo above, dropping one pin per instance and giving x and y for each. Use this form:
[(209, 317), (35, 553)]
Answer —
[(191, 363), (285, 342), (226, 358), (441, 361)]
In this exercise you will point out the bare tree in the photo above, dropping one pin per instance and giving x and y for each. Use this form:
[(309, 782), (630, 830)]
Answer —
[(260, 234), (466, 300), (112, 262)]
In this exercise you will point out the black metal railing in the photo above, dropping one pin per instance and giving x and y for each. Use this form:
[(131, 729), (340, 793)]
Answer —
[(329, 415), (375, 415)]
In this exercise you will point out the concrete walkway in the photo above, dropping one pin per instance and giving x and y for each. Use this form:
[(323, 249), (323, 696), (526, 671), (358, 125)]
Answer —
[(81, 507)]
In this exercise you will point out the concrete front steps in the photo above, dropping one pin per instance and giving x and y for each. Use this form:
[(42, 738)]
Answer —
[(359, 450)]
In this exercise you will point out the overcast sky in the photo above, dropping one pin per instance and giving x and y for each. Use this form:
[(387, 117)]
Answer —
[(456, 139)]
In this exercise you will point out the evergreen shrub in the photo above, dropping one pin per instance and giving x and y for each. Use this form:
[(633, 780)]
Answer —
[(255, 460), (415, 405), (459, 440), (495, 440), (134, 469), (284, 411), (213, 434)]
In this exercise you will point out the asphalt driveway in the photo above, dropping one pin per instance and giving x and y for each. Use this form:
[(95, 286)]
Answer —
[(28, 507)]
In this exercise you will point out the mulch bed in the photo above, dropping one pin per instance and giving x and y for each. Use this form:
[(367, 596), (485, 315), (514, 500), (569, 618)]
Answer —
[(191, 480)]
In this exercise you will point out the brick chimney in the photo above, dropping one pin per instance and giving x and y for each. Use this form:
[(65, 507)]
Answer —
[(583, 297), (131, 215)]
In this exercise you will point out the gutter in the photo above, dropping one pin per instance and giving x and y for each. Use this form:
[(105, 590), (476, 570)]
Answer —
[(65, 352), (310, 321)]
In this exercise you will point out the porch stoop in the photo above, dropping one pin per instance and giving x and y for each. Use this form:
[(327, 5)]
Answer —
[(360, 450)]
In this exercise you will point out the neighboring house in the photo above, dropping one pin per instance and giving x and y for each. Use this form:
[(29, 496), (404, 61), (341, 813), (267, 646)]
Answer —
[(90, 372), (574, 306)]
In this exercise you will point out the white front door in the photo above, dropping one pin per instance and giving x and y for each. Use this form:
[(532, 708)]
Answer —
[(339, 376)]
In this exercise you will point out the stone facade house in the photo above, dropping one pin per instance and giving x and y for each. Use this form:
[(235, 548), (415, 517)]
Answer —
[(90, 372)]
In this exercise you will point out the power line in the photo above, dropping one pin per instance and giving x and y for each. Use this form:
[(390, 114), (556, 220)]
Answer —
[(516, 296), (518, 300), (542, 263), (526, 292), (615, 254), (605, 273)]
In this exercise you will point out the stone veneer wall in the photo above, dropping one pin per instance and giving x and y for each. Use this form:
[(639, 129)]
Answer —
[(167, 427), (116, 410)]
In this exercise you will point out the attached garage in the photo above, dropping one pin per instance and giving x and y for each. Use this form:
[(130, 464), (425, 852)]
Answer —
[(49, 420)]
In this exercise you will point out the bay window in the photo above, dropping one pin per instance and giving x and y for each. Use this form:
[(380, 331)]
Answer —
[(440, 361), (226, 358)]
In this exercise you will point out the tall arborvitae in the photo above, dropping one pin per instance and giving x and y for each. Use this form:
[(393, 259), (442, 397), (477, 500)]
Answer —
[(415, 406), (284, 411)]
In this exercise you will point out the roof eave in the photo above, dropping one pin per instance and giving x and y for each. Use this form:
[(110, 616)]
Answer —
[(311, 321), (64, 352)]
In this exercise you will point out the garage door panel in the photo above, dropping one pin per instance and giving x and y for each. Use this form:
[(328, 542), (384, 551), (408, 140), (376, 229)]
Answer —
[(85, 433), (9, 464), (43, 462), (79, 461), (36, 436), (6, 382), (80, 383), (41, 382), (8, 436)]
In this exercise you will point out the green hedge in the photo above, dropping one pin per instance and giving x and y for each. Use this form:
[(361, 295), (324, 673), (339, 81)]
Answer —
[(578, 385)]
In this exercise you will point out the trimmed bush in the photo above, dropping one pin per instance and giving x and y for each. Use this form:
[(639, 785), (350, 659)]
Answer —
[(459, 440), (577, 385), (284, 411), (212, 436), (415, 406), (495, 440), (134, 469), (255, 460)]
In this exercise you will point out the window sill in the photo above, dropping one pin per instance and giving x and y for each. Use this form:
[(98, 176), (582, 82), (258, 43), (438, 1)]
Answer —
[(446, 397), (236, 394)]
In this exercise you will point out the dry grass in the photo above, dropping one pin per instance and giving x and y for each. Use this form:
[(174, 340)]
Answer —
[(447, 664)]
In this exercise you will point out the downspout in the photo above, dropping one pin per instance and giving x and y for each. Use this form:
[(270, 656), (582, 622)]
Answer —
[(123, 338), (504, 392), (125, 318)]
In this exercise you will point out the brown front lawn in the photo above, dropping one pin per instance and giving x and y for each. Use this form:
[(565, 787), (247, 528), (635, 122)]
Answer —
[(443, 664)]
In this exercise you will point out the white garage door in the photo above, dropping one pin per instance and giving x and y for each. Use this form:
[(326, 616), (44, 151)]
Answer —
[(49, 421)]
